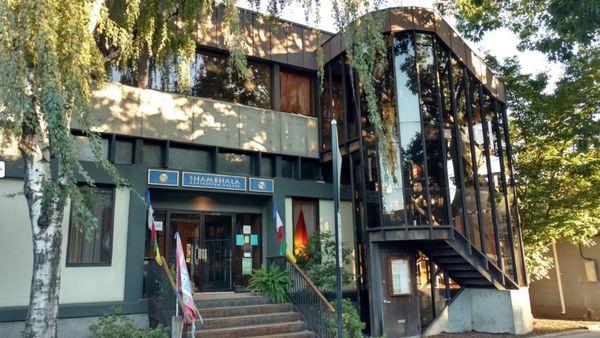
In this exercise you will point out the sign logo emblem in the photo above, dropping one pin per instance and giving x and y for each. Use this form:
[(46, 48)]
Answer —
[(163, 177), (261, 185)]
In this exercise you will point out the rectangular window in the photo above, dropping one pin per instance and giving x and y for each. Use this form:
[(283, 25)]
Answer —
[(152, 154), (309, 169), (234, 163), (209, 79), (266, 166), (189, 158), (124, 151), (288, 167), (296, 92), (97, 247), (83, 148), (305, 222)]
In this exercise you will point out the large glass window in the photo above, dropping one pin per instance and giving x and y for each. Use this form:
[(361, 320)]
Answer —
[(152, 154), (305, 222), (84, 151), (97, 247), (464, 136), (209, 78), (235, 163), (498, 171), (480, 169), (326, 111), (189, 158), (449, 132), (411, 141), (430, 116), (296, 92)]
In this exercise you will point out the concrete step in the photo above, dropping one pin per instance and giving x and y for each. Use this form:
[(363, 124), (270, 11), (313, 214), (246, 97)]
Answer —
[(226, 322), (239, 301), (300, 334), (284, 329), (247, 310)]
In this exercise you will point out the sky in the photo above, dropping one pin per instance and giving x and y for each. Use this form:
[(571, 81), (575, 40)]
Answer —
[(500, 43)]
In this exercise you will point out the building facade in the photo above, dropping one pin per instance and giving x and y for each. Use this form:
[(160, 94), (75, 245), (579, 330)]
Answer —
[(572, 289), (432, 223)]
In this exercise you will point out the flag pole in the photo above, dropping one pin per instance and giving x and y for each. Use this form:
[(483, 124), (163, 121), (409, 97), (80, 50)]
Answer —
[(337, 166)]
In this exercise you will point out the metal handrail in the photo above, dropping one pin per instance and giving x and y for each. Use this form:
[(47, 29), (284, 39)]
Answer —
[(308, 300)]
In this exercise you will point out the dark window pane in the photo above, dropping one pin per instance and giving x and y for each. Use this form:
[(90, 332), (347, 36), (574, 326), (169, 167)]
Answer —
[(96, 248), (209, 79), (288, 167), (337, 105), (152, 154), (450, 139), (373, 220), (326, 111), (463, 140), (83, 148), (189, 158), (266, 166), (309, 169), (351, 107), (124, 152), (234, 163), (481, 171), (296, 93)]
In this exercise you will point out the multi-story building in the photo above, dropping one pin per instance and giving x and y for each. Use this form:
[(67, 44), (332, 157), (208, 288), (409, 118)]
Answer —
[(432, 223)]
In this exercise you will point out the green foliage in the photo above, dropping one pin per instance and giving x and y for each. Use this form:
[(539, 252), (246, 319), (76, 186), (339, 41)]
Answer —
[(272, 282), (557, 155), (557, 28), (317, 260), (352, 326), (119, 326)]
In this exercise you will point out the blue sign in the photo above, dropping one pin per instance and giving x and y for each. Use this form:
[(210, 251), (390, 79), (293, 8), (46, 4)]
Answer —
[(163, 177), (261, 185), (212, 181)]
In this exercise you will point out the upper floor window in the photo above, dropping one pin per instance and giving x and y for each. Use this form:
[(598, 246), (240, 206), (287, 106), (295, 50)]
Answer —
[(295, 92), (95, 249)]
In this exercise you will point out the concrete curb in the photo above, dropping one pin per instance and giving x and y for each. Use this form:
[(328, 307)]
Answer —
[(564, 333)]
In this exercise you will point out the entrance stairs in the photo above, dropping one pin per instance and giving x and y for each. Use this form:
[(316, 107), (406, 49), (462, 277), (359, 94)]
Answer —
[(247, 315)]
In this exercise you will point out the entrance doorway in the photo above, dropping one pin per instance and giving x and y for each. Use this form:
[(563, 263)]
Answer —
[(207, 242)]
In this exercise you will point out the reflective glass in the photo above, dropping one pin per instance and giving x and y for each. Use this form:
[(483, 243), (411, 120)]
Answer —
[(234, 163), (295, 92), (480, 161), (452, 165), (326, 111), (189, 158), (152, 154), (411, 139), (465, 149)]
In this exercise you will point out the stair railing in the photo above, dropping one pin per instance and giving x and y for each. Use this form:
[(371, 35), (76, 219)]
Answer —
[(308, 300)]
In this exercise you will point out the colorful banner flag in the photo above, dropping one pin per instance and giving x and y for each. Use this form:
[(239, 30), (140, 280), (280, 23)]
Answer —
[(283, 249), (184, 286), (152, 227)]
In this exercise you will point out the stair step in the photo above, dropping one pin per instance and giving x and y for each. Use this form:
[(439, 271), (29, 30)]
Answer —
[(301, 334), (476, 282), (466, 274), (227, 322), (449, 260), (458, 267), (246, 310), (442, 252), (241, 301), (254, 330)]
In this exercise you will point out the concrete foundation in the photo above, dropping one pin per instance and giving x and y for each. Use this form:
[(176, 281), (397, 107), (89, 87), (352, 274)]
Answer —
[(485, 310), (69, 327)]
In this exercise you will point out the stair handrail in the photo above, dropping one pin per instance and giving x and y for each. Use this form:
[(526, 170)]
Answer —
[(311, 284), (308, 300)]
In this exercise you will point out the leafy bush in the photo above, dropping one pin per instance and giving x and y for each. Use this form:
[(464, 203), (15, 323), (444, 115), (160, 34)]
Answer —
[(352, 326), (317, 260), (118, 326), (273, 283)]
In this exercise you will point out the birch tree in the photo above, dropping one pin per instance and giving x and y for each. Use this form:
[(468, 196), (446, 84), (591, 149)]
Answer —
[(54, 53)]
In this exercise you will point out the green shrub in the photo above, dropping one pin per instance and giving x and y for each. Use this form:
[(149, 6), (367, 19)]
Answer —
[(273, 283), (118, 326), (317, 260), (352, 326)]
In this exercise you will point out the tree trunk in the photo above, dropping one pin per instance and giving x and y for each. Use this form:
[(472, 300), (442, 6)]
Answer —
[(142, 79), (46, 210)]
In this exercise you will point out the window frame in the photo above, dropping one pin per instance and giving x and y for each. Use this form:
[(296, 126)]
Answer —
[(69, 264)]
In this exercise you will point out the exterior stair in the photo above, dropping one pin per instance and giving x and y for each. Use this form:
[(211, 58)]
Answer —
[(248, 315)]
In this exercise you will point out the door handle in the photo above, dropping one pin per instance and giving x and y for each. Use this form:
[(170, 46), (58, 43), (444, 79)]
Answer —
[(387, 301)]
